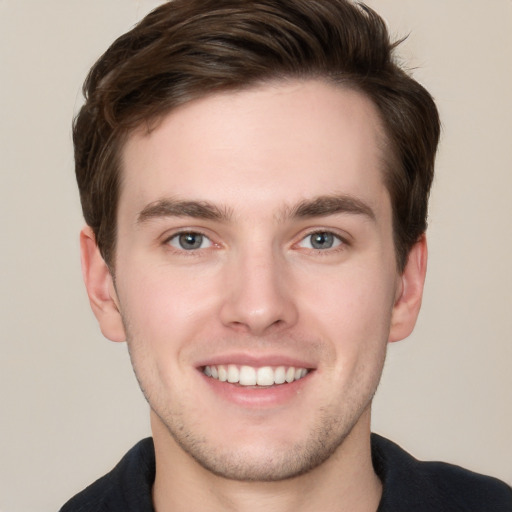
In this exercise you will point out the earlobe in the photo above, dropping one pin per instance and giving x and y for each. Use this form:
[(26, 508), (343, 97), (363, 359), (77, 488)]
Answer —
[(100, 287), (410, 292)]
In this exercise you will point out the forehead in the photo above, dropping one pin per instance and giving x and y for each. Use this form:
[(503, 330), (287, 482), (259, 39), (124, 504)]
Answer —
[(271, 145)]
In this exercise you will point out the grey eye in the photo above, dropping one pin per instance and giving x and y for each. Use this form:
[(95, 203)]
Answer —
[(320, 240), (190, 241)]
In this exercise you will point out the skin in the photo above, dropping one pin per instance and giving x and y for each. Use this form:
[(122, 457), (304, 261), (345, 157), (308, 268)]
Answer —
[(275, 164)]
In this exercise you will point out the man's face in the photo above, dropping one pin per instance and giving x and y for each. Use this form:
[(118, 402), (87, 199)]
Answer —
[(255, 244)]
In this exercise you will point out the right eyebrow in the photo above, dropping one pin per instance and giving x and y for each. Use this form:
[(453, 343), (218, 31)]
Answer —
[(175, 208)]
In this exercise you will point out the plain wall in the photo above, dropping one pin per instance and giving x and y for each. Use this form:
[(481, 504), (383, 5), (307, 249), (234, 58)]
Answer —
[(70, 405)]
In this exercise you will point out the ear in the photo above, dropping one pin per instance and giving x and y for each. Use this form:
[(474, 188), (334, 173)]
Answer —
[(409, 292), (100, 288)]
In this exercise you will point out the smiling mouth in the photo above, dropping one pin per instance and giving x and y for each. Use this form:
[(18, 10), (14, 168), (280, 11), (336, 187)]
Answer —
[(250, 376)]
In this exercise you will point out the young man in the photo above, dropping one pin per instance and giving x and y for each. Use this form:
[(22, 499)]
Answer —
[(254, 177)]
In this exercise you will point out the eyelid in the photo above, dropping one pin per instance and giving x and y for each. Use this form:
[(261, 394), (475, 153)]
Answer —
[(184, 229)]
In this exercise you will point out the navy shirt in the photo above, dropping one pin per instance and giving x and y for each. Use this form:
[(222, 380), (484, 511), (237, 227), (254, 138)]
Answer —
[(408, 485)]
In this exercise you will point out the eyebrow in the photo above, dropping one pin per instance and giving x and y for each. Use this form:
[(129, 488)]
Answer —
[(177, 208), (323, 206), (320, 206)]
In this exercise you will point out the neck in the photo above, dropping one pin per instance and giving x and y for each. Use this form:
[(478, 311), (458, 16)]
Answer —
[(345, 482)]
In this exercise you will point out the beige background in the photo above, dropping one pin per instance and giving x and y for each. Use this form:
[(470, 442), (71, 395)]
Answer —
[(70, 405)]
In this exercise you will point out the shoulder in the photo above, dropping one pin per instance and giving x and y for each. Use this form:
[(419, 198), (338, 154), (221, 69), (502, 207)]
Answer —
[(410, 484), (127, 487)]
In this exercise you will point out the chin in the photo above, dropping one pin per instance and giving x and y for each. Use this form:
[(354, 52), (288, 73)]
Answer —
[(264, 458)]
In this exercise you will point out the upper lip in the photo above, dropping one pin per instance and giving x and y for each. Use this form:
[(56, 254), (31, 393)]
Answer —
[(256, 361)]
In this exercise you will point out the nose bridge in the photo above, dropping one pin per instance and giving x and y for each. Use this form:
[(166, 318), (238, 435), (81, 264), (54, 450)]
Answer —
[(258, 290)]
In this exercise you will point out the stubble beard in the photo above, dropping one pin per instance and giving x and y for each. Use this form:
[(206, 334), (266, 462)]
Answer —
[(240, 465), (325, 437)]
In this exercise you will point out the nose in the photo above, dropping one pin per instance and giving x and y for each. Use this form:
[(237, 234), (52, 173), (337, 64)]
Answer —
[(258, 296)]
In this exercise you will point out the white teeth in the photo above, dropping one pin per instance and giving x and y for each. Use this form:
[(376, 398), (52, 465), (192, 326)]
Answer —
[(250, 376), (265, 376), (233, 374), (280, 375), (247, 376), (223, 373)]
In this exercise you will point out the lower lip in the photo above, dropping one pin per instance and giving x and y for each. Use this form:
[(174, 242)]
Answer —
[(257, 396)]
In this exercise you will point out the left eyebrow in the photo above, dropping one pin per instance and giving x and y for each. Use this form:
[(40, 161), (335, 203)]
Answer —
[(323, 206)]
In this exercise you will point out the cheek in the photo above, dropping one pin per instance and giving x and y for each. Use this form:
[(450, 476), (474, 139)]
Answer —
[(352, 312), (351, 299), (167, 305)]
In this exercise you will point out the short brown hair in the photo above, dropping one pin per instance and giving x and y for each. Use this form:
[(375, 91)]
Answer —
[(186, 49)]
